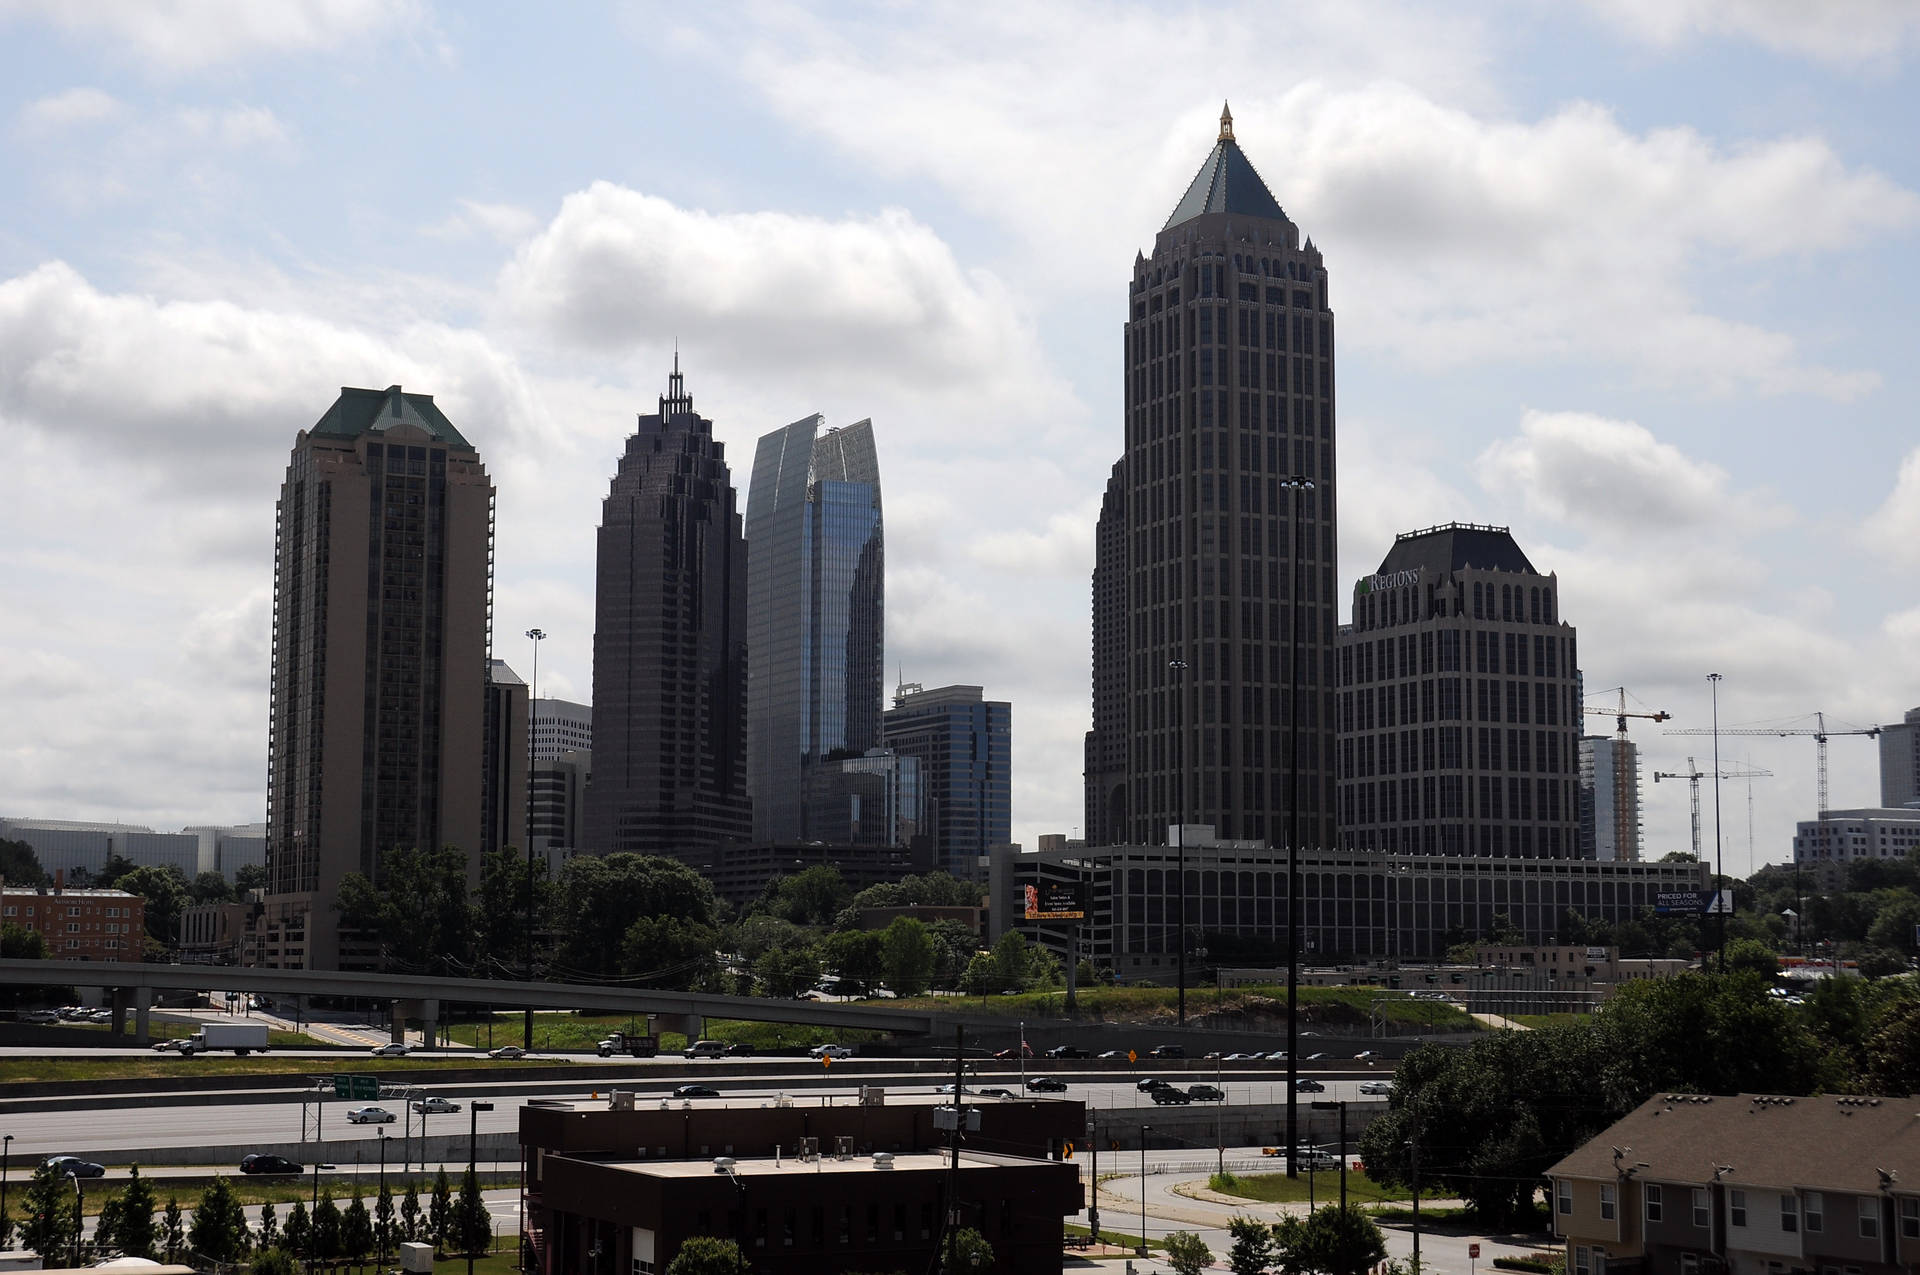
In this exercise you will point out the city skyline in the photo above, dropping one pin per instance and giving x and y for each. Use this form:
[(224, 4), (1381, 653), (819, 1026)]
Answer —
[(1589, 285)]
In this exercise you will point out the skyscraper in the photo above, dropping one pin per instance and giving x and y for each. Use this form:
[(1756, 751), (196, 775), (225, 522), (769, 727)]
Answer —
[(1210, 552), (669, 645), (1459, 703), (816, 593), (1610, 827), (963, 743), (383, 566)]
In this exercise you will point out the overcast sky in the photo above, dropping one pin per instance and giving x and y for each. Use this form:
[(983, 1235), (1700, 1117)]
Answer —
[(1636, 278)]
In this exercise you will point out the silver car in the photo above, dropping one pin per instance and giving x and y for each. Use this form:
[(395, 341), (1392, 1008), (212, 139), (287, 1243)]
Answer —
[(370, 1115)]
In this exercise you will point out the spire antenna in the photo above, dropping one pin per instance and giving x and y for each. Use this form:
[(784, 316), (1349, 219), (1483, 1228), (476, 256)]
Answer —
[(1226, 123)]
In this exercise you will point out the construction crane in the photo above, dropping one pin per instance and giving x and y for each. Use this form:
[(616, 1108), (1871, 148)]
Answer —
[(1693, 776), (1623, 829), (1818, 730)]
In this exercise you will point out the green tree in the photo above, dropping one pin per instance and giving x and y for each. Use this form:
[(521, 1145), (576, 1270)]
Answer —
[(954, 945), (384, 1231), (982, 976), (273, 1261), (219, 1230), (1333, 1240), (671, 952), (210, 887), (471, 1224), (356, 1230), (907, 956), (269, 1232), (165, 890), (1752, 956), (500, 906), (814, 896), (784, 972), (1187, 1253), (325, 1226), (106, 1226), (969, 1253), (854, 955), (410, 1216), (134, 1233), (173, 1228), (249, 876), (52, 1209), (19, 865), (297, 1236), (1253, 1249), (601, 895), (706, 1255), (1012, 960), (440, 1212), (415, 907)]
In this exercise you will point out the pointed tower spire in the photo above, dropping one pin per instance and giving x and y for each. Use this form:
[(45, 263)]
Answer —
[(676, 401), (1226, 123)]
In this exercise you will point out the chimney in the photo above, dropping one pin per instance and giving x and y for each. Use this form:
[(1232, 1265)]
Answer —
[(59, 880)]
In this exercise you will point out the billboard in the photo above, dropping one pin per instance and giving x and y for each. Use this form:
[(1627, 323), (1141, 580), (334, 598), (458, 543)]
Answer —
[(1693, 902), (1055, 901)]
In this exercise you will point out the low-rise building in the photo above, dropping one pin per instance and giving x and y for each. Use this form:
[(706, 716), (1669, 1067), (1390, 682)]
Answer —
[(1692, 1184), (80, 925), (1834, 842)]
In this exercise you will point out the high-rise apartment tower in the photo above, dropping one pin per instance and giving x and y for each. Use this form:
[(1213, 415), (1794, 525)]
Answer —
[(963, 743), (383, 566), (1211, 553), (815, 602), (669, 645)]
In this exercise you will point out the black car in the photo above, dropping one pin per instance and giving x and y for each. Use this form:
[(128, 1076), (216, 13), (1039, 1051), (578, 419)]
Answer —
[(1119, 1054), (696, 1091), (1046, 1084), (72, 1166), (1171, 1094), (1306, 1084), (1068, 1051), (998, 1093), (258, 1163), (738, 1050), (1167, 1051), (1152, 1083)]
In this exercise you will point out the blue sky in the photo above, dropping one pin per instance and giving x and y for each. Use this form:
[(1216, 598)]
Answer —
[(1633, 277)]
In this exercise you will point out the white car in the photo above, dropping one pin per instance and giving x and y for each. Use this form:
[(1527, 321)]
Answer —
[(435, 1105), (1376, 1088), (392, 1049), (831, 1051), (370, 1115), (507, 1051), (179, 1046)]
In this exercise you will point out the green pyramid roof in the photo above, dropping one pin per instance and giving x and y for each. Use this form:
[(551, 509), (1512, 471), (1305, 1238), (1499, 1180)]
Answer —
[(1226, 183), (358, 411)]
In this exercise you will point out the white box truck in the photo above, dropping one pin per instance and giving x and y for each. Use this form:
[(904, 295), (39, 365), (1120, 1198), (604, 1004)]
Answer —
[(241, 1038)]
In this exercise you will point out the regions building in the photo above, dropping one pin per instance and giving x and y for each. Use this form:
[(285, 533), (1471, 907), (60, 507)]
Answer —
[(1213, 580), (963, 744), (1459, 703), (1747, 1184), (376, 739), (1610, 812), (1356, 905), (669, 645), (1900, 762), (561, 726), (815, 613), (1838, 839), (79, 925)]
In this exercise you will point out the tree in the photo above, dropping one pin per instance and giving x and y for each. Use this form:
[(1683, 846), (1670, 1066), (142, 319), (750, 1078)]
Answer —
[(671, 952), (706, 1255), (165, 890), (107, 1225), (415, 907), (1253, 1248), (219, 1229), (1334, 1241), (969, 1252), (814, 896), (601, 895), (1187, 1253), (440, 1211), (134, 1232), (173, 1228), (297, 1236), (906, 956), (982, 976), (954, 945), (471, 1224), (19, 865), (410, 1219), (356, 1230), (249, 876), (384, 1230), (273, 1261), (52, 1210), (854, 955), (1012, 960), (1752, 956), (269, 1234), (784, 972), (210, 887), (1893, 1050), (325, 1226)]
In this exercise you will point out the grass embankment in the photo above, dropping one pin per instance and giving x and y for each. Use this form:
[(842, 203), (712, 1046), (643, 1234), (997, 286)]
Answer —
[(574, 1032), (1110, 1236), (23, 1070), (1320, 1185), (1236, 1009), (1537, 1021)]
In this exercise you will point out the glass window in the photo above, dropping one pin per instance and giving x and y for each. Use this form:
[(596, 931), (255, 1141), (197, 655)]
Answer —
[(1700, 1206), (1737, 1207), (1653, 1202), (1606, 1203), (1816, 1212), (1910, 1219), (1869, 1217), (1789, 1214), (1582, 1260), (1563, 1191)]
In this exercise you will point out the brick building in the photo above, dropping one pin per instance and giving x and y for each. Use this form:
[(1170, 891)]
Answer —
[(80, 925)]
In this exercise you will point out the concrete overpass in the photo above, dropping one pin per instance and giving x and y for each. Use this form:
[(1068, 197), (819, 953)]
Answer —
[(131, 985)]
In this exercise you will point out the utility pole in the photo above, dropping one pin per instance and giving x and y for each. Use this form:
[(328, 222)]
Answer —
[(953, 1168)]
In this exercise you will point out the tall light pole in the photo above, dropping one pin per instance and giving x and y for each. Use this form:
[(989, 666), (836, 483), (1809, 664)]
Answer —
[(1297, 484), (473, 1141), (1713, 681), (533, 695), (1144, 1131), (1178, 670), (388, 1225), (6, 1163)]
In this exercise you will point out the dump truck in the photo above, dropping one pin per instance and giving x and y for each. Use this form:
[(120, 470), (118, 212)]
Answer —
[(241, 1038), (629, 1043)]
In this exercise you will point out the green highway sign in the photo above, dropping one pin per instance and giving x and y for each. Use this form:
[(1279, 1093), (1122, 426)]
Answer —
[(363, 1088)]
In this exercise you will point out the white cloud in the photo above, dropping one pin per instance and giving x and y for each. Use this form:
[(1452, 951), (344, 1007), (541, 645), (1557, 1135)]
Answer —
[(235, 127), (1848, 33), (60, 111), (1614, 478), (504, 223), (191, 35), (1893, 530)]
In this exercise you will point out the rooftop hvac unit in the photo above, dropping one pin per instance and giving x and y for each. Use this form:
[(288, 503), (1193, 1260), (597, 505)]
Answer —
[(873, 1096), (883, 1159), (843, 1146), (809, 1149), (416, 1257), (620, 1100)]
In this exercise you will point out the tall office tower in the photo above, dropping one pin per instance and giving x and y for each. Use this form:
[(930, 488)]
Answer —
[(1459, 703), (1209, 560), (561, 726), (669, 645), (1610, 826), (964, 745), (558, 797), (383, 576), (1900, 762), (815, 595), (505, 788)]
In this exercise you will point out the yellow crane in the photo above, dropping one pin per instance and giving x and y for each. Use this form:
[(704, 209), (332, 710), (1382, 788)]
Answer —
[(1818, 730), (1693, 776), (1623, 827)]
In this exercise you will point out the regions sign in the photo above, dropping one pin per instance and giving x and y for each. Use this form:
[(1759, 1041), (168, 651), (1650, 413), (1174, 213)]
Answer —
[(1385, 580), (1055, 901)]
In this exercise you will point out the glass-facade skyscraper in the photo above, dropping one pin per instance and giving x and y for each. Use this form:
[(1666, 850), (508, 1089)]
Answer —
[(816, 594), (963, 743)]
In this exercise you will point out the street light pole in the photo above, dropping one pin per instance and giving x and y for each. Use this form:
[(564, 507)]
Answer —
[(533, 692), (1178, 668), (384, 1228), (1144, 1131), (1297, 484), (473, 1140), (6, 1163), (1713, 681)]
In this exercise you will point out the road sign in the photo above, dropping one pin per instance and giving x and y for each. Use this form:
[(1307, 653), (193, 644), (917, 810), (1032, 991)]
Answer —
[(1068, 1153), (364, 1088), (826, 1061), (1133, 1056), (1473, 1250)]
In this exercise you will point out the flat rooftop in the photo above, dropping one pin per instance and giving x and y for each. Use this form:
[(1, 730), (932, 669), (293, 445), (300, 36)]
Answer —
[(919, 1096), (766, 1166)]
